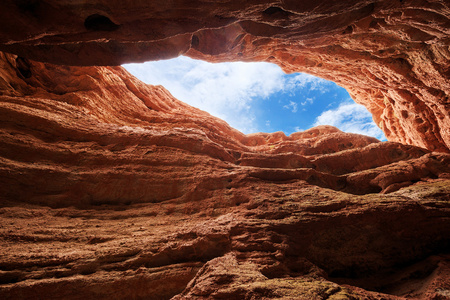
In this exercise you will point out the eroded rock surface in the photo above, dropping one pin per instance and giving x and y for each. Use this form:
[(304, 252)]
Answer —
[(114, 189), (392, 56)]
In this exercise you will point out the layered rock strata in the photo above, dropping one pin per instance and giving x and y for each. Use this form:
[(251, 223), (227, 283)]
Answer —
[(392, 56), (111, 188), (114, 189)]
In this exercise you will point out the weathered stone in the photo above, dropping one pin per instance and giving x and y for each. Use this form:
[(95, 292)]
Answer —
[(392, 56), (113, 189)]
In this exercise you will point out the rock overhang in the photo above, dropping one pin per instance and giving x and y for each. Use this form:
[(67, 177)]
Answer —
[(392, 56), (149, 193)]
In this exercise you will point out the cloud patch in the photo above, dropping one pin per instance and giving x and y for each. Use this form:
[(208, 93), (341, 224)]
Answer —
[(235, 92), (303, 80), (350, 117), (292, 106), (226, 90)]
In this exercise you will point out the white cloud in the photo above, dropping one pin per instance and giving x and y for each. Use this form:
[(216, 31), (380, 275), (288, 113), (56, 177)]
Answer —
[(225, 90), (303, 80), (350, 117), (231, 91), (292, 106), (308, 101)]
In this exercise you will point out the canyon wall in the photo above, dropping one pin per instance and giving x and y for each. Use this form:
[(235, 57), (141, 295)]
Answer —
[(392, 56), (111, 188)]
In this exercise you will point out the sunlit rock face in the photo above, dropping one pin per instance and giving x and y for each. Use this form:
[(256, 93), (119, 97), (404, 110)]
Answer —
[(392, 56), (113, 189)]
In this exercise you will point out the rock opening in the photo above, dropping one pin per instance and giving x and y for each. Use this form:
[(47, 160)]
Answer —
[(98, 22), (113, 187)]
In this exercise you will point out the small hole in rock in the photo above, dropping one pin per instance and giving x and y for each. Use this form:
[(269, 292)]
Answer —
[(30, 6), (195, 41), (275, 10), (404, 114), (98, 22), (348, 30), (23, 67)]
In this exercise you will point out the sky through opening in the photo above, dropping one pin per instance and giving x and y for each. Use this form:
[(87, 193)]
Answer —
[(258, 97)]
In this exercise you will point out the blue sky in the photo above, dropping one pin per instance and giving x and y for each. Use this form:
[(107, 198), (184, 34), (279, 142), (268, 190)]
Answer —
[(258, 97)]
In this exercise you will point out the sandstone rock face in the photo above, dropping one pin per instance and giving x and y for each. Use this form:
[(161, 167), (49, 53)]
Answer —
[(114, 189), (392, 56)]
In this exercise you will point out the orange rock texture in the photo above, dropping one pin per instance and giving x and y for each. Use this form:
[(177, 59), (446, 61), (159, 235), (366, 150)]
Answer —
[(113, 189), (392, 56)]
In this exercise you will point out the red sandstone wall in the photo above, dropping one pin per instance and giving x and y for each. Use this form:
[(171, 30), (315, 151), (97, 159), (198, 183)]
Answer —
[(392, 56), (113, 189)]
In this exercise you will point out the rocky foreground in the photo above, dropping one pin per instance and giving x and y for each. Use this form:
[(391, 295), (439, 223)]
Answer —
[(114, 189)]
